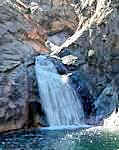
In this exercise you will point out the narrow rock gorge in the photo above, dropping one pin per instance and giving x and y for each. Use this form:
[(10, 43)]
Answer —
[(81, 37)]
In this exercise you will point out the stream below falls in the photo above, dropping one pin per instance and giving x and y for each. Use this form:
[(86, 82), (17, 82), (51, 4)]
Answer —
[(64, 113), (78, 139)]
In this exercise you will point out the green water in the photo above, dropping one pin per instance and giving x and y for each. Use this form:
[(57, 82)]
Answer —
[(89, 139)]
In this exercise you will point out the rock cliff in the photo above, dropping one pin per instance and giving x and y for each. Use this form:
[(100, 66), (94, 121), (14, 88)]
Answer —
[(95, 53)]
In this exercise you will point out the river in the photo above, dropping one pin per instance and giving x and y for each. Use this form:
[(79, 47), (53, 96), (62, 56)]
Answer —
[(75, 139)]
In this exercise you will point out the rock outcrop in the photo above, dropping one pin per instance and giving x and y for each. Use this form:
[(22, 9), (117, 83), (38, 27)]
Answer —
[(96, 52), (17, 77)]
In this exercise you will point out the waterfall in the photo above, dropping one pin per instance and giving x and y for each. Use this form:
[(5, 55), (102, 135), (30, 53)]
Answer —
[(59, 101)]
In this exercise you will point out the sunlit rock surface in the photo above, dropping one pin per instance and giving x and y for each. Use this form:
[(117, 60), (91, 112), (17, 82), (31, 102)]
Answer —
[(17, 78)]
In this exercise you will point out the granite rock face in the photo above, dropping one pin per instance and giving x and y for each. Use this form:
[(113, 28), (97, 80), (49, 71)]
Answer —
[(102, 60), (22, 37), (96, 54), (17, 84)]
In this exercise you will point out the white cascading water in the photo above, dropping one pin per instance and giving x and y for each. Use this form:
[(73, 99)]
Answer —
[(59, 101)]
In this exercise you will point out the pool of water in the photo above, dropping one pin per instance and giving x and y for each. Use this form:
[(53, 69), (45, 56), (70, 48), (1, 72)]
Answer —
[(78, 139)]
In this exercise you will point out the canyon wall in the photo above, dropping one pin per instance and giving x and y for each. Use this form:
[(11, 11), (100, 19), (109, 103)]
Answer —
[(95, 54)]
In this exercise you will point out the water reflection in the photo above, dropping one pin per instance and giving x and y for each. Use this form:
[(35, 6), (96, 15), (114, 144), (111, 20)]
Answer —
[(90, 139)]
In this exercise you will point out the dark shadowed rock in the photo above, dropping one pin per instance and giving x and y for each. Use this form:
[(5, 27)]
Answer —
[(106, 102)]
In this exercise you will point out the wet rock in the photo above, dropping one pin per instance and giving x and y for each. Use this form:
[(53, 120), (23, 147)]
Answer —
[(83, 88), (71, 60), (61, 68), (64, 52), (106, 102), (115, 83), (35, 114)]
